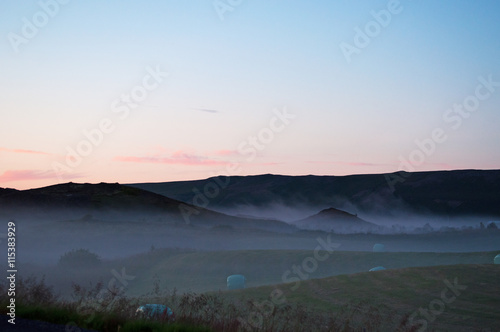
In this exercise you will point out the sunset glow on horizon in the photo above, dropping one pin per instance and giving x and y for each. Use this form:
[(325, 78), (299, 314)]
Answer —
[(133, 92)]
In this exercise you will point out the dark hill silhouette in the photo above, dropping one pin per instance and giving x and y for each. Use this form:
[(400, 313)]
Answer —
[(102, 196), (335, 220), (113, 201), (442, 193)]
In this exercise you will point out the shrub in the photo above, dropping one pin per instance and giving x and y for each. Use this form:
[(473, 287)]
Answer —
[(492, 225), (81, 258), (30, 291)]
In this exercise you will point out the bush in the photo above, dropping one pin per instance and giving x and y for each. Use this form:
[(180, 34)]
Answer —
[(29, 291), (492, 225), (81, 258)]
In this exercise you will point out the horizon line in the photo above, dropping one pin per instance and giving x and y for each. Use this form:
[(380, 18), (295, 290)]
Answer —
[(261, 174)]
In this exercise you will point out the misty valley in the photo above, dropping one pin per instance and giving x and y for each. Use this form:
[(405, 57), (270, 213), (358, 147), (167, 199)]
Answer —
[(107, 246)]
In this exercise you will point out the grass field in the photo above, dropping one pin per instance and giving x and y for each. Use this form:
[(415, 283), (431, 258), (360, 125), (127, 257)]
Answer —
[(207, 271), (463, 297), (396, 294), (202, 271), (296, 290)]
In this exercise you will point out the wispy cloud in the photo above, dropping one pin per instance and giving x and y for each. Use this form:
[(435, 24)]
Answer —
[(206, 110), (177, 158), (25, 175), (23, 151)]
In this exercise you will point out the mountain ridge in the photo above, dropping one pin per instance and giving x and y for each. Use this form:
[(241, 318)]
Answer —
[(443, 193)]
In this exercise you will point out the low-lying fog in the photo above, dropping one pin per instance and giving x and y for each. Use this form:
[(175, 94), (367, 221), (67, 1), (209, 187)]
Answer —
[(396, 221), (44, 241), (41, 241)]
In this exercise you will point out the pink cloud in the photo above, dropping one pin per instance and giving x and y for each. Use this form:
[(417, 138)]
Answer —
[(159, 150), (34, 175), (177, 158), (25, 175), (23, 151)]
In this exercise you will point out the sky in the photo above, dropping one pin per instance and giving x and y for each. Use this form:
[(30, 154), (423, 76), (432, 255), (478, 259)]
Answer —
[(153, 91)]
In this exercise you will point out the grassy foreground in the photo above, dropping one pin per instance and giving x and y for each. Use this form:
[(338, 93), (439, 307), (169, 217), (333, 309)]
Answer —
[(71, 318), (471, 297), (407, 299)]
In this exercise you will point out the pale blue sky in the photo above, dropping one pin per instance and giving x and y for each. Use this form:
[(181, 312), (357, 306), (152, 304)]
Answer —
[(351, 117)]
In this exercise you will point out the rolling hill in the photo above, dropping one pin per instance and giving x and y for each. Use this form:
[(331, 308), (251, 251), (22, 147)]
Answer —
[(337, 221), (456, 193), (113, 201)]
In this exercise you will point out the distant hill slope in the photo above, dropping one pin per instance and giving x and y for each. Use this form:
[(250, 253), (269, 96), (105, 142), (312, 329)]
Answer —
[(102, 196), (444, 193), (334, 220), (109, 201)]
